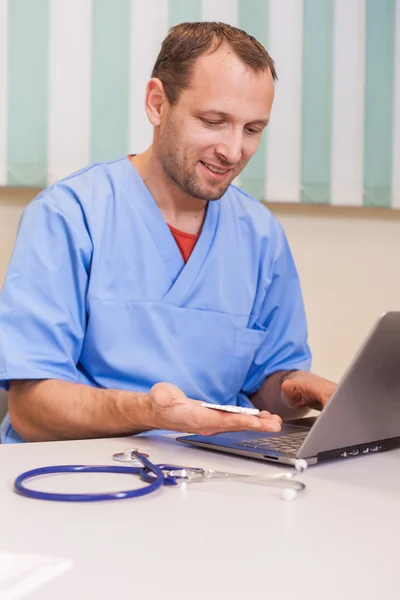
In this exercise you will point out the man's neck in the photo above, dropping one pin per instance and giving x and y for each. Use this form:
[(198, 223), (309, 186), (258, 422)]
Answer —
[(178, 208)]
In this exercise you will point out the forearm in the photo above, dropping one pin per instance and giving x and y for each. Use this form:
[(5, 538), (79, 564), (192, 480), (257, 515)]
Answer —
[(52, 409), (270, 397)]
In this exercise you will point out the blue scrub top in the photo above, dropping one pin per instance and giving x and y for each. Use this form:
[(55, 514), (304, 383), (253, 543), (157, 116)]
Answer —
[(97, 293)]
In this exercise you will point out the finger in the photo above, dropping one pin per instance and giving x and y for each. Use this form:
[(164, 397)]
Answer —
[(234, 422), (265, 413)]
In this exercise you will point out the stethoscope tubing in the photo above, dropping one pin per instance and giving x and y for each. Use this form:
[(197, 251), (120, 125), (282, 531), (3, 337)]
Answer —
[(153, 483)]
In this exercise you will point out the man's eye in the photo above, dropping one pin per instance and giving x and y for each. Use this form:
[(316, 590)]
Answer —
[(252, 131), (211, 123)]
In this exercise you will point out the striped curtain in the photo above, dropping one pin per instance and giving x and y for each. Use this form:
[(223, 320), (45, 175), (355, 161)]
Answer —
[(73, 75)]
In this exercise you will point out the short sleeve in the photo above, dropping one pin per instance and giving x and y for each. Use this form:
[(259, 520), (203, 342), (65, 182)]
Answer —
[(42, 302), (282, 317)]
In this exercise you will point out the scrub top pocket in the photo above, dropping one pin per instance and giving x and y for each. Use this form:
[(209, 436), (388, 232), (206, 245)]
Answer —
[(246, 343)]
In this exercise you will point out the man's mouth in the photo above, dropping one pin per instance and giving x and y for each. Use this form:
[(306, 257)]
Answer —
[(215, 169)]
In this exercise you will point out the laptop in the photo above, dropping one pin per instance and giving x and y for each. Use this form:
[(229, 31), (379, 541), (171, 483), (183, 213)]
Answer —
[(362, 416)]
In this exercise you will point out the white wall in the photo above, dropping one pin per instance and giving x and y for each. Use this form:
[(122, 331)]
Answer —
[(349, 265)]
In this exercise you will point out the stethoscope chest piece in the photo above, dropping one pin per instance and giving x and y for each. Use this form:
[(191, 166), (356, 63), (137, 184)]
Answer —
[(128, 456)]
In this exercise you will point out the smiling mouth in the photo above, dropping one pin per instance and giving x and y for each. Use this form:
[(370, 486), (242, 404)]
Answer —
[(218, 170)]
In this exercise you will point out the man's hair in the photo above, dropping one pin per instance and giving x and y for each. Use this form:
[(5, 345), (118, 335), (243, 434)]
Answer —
[(186, 42)]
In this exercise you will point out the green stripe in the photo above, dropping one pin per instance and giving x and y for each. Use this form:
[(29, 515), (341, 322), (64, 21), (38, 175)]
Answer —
[(253, 18), (316, 101), (28, 86), (379, 82), (181, 11), (110, 79)]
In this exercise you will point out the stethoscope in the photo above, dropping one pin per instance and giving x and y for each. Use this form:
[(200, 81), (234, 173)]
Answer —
[(153, 475)]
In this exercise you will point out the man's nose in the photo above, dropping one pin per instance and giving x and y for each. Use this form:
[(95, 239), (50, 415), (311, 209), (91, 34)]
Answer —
[(230, 150)]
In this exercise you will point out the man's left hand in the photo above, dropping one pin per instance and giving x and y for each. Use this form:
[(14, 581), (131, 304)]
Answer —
[(301, 388)]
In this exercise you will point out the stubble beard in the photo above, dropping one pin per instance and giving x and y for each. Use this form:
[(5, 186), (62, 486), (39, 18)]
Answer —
[(177, 168)]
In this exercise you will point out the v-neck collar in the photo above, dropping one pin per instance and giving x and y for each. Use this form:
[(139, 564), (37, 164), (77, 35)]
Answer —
[(182, 275)]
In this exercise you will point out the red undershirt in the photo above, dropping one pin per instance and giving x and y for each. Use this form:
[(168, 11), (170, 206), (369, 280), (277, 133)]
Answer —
[(186, 241)]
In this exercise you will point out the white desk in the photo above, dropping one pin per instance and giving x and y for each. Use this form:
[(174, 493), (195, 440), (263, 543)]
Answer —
[(338, 541)]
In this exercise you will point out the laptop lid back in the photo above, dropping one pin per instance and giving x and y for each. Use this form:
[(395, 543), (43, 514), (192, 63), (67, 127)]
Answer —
[(366, 404)]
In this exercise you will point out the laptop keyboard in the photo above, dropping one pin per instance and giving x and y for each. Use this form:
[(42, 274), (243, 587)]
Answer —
[(286, 444)]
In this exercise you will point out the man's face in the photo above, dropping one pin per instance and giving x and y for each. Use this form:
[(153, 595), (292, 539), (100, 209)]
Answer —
[(206, 139)]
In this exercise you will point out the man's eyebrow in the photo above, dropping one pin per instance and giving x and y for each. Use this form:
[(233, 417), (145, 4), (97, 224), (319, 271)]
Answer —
[(263, 122), (223, 115), (215, 113)]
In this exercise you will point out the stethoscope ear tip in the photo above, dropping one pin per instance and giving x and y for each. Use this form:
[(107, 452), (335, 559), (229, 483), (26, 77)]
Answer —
[(289, 494), (300, 465)]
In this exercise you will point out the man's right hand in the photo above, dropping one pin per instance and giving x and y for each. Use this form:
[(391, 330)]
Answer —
[(171, 409), (53, 409)]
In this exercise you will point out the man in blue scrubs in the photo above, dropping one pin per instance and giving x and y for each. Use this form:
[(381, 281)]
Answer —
[(139, 287)]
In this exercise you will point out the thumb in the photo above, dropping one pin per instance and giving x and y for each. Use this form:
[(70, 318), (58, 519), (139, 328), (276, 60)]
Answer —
[(166, 394), (299, 394), (294, 393)]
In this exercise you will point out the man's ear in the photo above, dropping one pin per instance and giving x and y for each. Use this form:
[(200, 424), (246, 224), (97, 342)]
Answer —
[(156, 101)]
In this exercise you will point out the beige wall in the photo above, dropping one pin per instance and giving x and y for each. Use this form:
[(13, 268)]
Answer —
[(349, 265)]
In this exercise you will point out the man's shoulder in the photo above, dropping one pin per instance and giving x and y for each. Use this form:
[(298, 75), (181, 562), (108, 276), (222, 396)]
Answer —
[(93, 174), (83, 188), (80, 199)]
